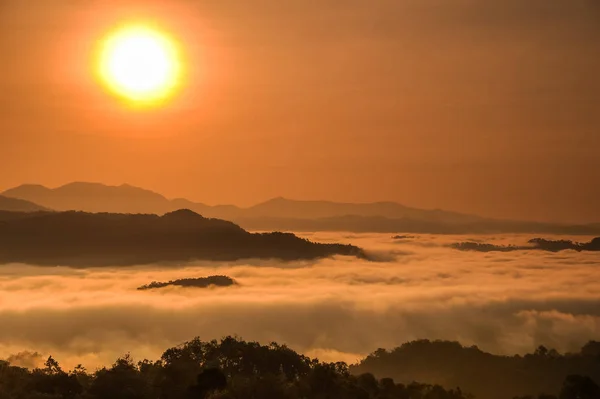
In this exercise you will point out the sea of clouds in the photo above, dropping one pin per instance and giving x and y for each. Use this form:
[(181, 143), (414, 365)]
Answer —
[(341, 308)]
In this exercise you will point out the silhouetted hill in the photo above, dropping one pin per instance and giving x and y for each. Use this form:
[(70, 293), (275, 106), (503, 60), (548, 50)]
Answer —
[(18, 205), (93, 197), (485, 375), (285, 214), (79, 238), (534, 244), (380, 224), (291, 209), (231, 368), (201, 282)]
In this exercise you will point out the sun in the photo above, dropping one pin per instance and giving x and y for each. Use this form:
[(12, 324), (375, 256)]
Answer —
[(140, 64)]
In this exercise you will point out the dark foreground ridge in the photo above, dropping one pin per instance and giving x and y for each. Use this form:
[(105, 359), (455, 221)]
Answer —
[(491, 376), (235, 369), (535, 244), (201, 282), (104, 239)]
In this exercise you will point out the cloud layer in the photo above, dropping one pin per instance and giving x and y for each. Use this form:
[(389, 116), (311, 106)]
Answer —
[(335, 309)]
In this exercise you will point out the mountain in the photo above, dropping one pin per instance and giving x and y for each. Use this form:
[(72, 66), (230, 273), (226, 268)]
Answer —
[(96, 197), (287, 208), (286, 214), (483, 374), (19, 205), (102, 239), (379, 224), (93, 197)]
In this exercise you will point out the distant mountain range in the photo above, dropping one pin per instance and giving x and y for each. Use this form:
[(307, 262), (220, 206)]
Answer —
[(109, 239), (281, 213), (95, 197), (19, 205)]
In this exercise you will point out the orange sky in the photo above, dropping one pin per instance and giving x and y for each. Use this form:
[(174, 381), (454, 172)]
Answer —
[(480, 106)]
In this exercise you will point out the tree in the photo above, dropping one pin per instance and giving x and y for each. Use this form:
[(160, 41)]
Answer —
[(208, 380), (579, 387), (122, 381)]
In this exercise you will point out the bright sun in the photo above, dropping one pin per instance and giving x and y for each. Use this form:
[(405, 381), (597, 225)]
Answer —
[(140, 64)]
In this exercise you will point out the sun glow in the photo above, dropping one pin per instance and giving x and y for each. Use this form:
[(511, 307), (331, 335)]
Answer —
[(140, 64)]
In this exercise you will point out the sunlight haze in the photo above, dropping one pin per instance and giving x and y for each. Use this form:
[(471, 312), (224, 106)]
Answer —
[(140, 64), (480, 106), (299, 199)]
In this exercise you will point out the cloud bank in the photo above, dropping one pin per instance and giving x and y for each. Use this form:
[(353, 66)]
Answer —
[(334, 309)]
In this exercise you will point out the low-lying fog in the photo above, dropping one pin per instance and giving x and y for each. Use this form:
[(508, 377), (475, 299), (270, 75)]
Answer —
[(333, 309)]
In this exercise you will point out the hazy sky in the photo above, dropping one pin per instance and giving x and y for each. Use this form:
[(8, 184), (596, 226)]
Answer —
[(484, 106)]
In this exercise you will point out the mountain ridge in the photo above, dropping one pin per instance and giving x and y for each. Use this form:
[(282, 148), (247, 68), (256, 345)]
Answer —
[(11, 204), (98, 197), (75, 238), (92, 197), (286, 214)]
